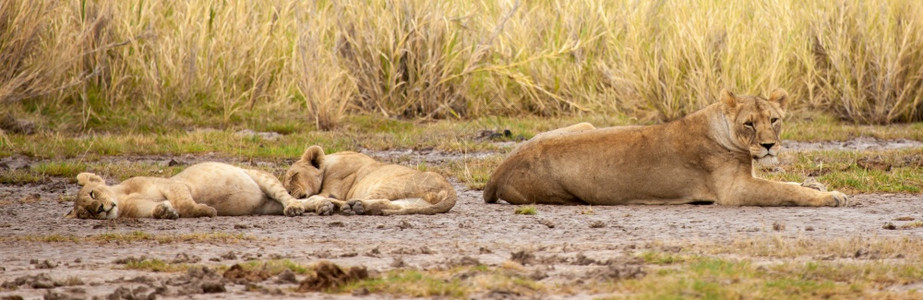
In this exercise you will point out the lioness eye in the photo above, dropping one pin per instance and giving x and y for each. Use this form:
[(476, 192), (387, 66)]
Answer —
[(93, 194), (774, 120), (748, 124)]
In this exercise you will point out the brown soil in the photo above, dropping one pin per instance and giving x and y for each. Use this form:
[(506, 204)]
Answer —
[(559, 244)]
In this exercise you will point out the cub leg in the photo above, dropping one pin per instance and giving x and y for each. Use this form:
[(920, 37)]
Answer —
[(139, 207), (181, 200), (368, 206), (165, 210), (271, 186), (321, 205)]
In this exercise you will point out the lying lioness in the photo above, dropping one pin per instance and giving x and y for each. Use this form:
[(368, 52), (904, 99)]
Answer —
[(202, 190), (357, 184), (705, 157)]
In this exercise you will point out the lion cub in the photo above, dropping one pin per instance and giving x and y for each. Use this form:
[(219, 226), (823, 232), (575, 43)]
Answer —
[(355, 183), (707, 156), (202, 190)]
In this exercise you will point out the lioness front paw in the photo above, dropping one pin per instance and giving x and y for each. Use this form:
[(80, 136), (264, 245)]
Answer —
[(839, 199), (294, 209), (165, 210)]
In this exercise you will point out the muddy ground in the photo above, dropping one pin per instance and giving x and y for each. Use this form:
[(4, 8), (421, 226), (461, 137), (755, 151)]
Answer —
[(558, 245)]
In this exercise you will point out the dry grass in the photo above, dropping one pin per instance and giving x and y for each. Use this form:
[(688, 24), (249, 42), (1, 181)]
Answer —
[(90, 65)]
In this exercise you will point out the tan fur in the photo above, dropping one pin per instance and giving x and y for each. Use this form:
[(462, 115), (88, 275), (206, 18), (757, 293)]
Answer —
[(202, 190), (357, 184), (705, 157)]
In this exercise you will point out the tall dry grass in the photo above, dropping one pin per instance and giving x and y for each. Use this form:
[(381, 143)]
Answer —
[(107, 60)]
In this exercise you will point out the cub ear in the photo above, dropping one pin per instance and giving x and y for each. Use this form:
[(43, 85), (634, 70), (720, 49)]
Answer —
[(85, 178), (728, 98), (72, 214), (779, 96), (314, 155)]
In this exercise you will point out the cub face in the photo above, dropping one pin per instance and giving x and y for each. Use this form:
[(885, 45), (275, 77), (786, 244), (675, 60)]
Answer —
[(757, 123), (94, 200), (305, 176)]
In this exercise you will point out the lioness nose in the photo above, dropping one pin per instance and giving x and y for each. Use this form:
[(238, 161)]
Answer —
[(767, 145)]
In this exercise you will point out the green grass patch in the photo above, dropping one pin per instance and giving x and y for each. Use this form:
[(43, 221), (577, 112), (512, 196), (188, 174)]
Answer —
[(154, 265), (274, 266), (526, 210), (475, 280), (828, 128), (660, 258), (720, 278), (842, 170)]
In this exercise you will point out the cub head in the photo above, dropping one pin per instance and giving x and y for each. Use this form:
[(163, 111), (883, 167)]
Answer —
[(305, 176), (94, 200), (756, 123)]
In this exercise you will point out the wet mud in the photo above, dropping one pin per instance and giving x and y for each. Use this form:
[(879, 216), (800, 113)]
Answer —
[(558, 244)]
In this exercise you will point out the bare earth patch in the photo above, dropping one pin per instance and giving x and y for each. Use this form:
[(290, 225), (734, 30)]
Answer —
[(42, 254)]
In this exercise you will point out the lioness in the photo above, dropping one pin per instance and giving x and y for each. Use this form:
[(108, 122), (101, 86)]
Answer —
[(357, 184), (705, 157), (202, 190)]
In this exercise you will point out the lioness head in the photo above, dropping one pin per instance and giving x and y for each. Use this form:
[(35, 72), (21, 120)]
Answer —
[(756, 123), (94, 200), (305, 176)]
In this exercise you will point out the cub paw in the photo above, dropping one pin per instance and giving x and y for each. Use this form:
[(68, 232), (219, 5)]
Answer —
[(165, 210), (325, 208), (294, 209), (206, 211), (812, 183), (356, 206), (839, 199)]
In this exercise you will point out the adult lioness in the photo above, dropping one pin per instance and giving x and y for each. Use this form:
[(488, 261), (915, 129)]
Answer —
[(705, 157), (357, 184), (202, 190)]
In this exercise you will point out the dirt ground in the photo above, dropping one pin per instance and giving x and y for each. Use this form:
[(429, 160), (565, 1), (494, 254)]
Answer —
[(559, 244)]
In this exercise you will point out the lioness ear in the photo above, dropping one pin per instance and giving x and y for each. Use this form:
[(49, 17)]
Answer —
[(85, 178), (728, 98), (314, 155), (779, 96)]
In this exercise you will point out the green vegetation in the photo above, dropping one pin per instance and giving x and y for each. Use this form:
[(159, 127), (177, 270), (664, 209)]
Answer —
[(526, 210), (898, 170), (273, 267), (154, 265), (447, 283)]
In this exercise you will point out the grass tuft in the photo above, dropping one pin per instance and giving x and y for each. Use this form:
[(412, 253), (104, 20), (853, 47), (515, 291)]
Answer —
[(526, 210)]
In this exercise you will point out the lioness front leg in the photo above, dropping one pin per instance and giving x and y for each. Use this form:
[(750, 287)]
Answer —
[(761, 192)]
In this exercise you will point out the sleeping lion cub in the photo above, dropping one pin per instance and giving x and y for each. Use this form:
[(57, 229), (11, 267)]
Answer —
[(705, 157), (355, 183), (202, 190)]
